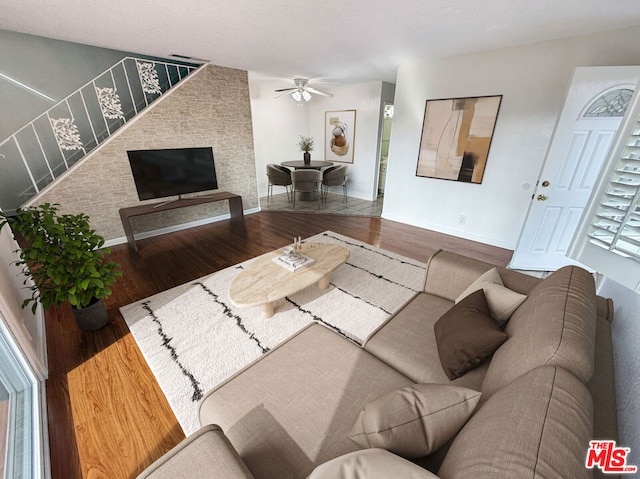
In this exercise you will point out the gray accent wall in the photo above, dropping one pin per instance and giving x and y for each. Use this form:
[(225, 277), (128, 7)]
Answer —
[(53, 67)]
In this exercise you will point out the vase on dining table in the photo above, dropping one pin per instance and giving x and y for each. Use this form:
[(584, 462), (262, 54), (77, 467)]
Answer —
[(307, 157)]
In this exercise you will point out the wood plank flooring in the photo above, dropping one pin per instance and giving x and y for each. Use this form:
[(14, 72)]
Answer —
[(108, 417)]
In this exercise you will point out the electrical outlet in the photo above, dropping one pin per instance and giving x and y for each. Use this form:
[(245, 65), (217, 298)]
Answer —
[(462, 219)]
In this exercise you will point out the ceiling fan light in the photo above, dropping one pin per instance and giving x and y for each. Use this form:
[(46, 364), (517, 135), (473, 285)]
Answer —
[(296, 95), (306, 95)]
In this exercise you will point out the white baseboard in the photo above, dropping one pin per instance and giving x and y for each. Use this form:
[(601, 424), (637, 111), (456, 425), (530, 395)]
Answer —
[(173, 229), (450, 231)]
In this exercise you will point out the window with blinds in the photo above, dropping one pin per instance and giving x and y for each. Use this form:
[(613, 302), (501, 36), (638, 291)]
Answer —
[(616, 224), (608, 237)]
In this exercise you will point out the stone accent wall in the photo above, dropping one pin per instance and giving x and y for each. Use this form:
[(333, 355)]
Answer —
[(212, 108)]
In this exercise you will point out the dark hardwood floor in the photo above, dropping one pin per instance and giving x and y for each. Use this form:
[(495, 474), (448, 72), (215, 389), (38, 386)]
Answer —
[(108, 417)]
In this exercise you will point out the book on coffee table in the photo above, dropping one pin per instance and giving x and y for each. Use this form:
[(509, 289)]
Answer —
[(293, 262)]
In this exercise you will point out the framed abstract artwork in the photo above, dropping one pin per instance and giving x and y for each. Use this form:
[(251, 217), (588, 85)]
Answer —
[(456, 136), (339, 135)]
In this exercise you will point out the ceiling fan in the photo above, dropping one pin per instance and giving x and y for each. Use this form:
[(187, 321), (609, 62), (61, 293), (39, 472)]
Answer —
[(301, 91)]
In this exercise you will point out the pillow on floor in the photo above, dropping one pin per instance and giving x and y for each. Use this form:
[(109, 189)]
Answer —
[(466, 335), (415, 420), (501, 300)]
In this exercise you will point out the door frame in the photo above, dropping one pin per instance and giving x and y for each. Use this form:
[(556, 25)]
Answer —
[(559, 128)]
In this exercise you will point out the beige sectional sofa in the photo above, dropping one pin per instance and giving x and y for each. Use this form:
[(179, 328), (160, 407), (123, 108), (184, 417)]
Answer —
[(321, 406)]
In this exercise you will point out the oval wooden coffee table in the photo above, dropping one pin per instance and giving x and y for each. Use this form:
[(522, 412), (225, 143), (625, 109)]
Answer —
[(263, 282)]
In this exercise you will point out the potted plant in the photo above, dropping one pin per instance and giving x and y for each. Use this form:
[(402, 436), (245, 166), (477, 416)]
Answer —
[(306, 145), (65, 259)]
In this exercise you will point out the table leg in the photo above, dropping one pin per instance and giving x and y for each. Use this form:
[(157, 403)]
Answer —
[(128, 231), (267, 310), (324, 282), (235, 209)]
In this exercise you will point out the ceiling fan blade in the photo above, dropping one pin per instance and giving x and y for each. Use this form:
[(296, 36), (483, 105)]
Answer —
[(284, 92), (318, 92), (285, 89)]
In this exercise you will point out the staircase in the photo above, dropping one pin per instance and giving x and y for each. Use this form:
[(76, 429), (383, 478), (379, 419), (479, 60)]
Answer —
[(44, 149)]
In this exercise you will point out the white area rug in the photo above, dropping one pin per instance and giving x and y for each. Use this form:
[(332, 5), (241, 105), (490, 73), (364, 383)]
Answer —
[(193, 338)]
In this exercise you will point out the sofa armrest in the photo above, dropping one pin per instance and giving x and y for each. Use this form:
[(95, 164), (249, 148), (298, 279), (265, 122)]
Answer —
[(207, 453), (602, 385), (449, 274), (538, 426)]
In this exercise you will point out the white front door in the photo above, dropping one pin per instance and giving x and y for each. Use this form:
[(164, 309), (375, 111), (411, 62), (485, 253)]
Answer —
[(583, 134)]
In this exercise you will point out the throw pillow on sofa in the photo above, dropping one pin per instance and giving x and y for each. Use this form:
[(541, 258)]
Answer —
[(372, 464), (466, 335), (415, 420), (501, 300)]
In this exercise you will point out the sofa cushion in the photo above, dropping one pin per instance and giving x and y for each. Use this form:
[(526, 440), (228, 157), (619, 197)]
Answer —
[(466, 335), (501, 300), (555, 325), (293, 408), (372, 464), (407, 342), (539, 426), (416, 420)]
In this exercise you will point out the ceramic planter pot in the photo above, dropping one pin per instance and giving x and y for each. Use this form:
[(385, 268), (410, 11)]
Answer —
[(91, 317)]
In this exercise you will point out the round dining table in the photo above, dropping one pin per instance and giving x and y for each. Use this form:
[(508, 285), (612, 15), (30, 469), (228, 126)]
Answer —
[(301, 165)]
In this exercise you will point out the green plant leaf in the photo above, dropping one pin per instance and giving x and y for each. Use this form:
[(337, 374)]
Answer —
[(61, 255)]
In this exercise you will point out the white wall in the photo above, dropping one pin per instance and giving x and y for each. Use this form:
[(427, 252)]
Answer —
[(27, 328), (278, 123), (533, 81), (277, 126)]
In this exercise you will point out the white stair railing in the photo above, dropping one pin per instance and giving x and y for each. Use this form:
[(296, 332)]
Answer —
[(45, 148)]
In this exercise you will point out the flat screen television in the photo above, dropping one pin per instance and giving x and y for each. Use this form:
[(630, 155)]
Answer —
[(172, 171)]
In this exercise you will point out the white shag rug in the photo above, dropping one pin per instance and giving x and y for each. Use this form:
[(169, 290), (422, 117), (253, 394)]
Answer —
[(193, 338)]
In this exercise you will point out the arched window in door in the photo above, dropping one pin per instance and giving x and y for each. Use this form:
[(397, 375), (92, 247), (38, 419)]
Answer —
[(611, 103), (608, 238)]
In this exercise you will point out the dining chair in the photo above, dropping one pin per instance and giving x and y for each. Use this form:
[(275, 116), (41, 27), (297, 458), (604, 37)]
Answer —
[(306, 181), (279, 176), (335, 176)]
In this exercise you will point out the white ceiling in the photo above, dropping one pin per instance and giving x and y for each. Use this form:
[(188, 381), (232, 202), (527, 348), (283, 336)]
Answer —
[(329, 42)]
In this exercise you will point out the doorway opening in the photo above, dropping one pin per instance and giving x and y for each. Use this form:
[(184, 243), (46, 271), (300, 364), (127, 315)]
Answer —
[(387, 119)]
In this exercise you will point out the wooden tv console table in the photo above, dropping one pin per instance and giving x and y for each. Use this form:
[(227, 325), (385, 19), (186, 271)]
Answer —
[(235, 209)]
